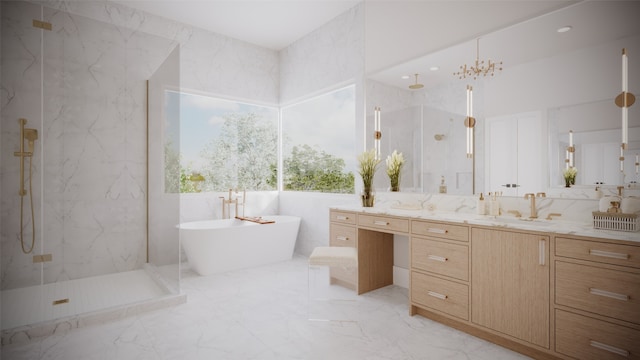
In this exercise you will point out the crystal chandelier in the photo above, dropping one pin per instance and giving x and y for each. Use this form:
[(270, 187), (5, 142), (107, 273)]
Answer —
[(479, 67)]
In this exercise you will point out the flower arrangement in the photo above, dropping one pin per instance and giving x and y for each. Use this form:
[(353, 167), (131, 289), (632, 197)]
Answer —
[(367, 169), (394, 165), (570, 176)]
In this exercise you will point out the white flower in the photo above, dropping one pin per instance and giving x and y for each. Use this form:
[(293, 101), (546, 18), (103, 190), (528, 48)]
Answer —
[(570, 172), (394, 163)]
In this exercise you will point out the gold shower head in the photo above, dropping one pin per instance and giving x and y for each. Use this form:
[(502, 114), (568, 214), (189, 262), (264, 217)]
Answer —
[(416, 85)]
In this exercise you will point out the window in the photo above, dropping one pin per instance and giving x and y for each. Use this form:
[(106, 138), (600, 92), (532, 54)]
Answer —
[(318, 137), (223, 144)]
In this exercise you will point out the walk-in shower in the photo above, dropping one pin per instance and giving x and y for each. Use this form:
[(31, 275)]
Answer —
[(77, 242)]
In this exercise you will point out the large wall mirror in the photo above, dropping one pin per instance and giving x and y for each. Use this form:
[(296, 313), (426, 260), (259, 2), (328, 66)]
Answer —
[(551, 82)]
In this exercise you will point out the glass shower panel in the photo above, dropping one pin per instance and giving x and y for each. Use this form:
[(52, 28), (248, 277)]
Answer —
[(82, 85), (21, 99)]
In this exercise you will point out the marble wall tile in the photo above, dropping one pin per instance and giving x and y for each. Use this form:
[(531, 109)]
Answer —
[(93, 133)]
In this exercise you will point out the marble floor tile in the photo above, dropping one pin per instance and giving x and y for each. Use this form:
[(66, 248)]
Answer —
[(261, 313)]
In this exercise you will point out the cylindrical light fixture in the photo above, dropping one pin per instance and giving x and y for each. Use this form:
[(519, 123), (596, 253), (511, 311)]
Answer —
[(624, 101), (469, 122), (570, 157), (377, 131)]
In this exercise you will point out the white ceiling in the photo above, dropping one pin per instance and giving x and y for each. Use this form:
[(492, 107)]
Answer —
[(270, 24), (592, 22), (277, 24)]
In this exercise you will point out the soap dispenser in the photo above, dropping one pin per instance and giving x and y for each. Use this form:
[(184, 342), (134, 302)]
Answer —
[(480, 205), (443, 187)]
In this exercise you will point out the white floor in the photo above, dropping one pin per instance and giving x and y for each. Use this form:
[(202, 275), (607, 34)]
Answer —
[(261, 313), (34, 304)]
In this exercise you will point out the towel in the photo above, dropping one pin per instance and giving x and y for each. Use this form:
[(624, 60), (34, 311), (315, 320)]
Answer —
[(630, 205), (605, 202)]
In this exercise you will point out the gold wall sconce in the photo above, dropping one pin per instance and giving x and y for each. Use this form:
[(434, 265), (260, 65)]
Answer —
[(624, 101), (570, 154), (470, 122), (377, 131)]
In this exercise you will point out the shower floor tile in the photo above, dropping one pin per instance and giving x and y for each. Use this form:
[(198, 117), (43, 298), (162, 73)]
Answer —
[(35, 304)]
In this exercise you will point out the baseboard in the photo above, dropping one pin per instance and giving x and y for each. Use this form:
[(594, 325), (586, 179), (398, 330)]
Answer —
[(401, 277)]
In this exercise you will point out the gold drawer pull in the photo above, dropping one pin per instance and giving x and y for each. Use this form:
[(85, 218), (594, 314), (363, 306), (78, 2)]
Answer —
[(609, 348), (380, 222), (437, 231), (437, 258), (609, 294), (609, 254), (342, 238), (541, 252), (437, 295), (342, 217)]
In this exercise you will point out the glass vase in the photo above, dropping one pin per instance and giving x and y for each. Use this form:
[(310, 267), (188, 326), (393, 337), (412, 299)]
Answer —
[(368, 198)]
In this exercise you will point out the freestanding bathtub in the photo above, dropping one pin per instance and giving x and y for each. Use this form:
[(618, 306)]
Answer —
[(216, 246)]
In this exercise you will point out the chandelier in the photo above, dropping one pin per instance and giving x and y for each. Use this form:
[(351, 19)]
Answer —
[(479, 67)]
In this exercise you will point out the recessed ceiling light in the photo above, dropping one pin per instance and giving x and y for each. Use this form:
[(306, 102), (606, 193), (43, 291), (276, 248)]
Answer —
[(405, 76), (434, 68), (564, 29)]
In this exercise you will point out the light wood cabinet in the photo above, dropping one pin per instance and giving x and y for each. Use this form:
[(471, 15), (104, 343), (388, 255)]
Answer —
[(384, 223), (546, 295), (343, 232), (440, 257), (585, 338), (440, 268), (510, 283), (439, 294), (597, 299)]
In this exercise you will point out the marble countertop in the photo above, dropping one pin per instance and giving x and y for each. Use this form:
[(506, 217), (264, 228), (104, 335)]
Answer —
[(505, 221)]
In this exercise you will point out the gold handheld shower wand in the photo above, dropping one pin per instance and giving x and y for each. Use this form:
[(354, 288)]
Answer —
[(31, 135)]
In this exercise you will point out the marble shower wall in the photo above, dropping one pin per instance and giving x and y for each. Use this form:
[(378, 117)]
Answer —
[(88, 80), (91, 152)]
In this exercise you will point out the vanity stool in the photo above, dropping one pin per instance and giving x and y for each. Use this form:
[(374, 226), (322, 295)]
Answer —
[(328, 300)]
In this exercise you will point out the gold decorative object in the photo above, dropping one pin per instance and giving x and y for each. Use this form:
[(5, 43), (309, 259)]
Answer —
[(479, 67)]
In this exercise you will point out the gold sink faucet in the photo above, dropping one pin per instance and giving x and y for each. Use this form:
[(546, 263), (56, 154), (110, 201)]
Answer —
[(532, 197)]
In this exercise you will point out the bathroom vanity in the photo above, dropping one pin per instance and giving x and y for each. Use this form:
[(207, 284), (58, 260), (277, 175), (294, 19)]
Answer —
[(546, 289)]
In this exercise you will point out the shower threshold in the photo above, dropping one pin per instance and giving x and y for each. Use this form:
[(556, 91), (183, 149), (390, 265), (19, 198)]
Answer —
[(43, 310)]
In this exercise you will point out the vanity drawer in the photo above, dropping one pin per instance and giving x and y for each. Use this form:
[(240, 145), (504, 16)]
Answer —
[(440, 258), (342, 235), (384, 223), (343, 217), (445, 231), (615, 254), (446, 296), (603, 291), (585, 338)]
